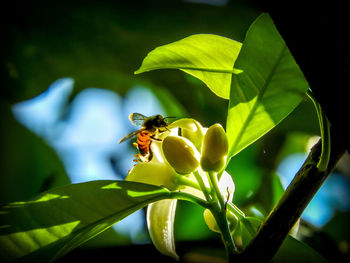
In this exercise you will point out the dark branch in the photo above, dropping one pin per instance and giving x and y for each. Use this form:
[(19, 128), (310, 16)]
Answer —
[(288, 210)]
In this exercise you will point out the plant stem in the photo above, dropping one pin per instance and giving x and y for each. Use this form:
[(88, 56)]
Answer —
[(188, 197), (325, 136), (214, 182), (222, 222), (219, 212), (235, 210), (202, 185), (183, 180), (326, 144), (218, 208)]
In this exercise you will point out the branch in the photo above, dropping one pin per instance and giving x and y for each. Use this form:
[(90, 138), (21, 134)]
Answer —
[(288, 210)]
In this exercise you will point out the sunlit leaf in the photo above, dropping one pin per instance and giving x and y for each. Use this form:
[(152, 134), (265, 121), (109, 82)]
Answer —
[(207, 57), (59, 220), (269, 88), (160, 222)]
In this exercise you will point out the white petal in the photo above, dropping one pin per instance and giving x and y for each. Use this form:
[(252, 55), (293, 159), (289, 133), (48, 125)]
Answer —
[(160, 223), (153, 173), (227, 186)]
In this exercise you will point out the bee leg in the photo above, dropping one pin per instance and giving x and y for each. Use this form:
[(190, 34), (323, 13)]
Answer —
[(135, 145), (150, 155), (155, 139), (165, 129), (138, 158)]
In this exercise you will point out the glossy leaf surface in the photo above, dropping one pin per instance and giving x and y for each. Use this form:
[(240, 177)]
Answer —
[(59, 220), (207, 57), (269, 88)]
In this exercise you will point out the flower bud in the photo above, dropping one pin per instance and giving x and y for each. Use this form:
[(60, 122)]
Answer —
[(180, 154), (194, 134), (214, 148), (191, 130), (211, 222)]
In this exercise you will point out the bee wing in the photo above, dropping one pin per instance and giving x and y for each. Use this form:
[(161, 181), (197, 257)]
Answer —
[(128, 136), (137, 118)]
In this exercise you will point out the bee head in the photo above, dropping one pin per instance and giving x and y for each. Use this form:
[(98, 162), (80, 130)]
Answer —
[(159, 121)]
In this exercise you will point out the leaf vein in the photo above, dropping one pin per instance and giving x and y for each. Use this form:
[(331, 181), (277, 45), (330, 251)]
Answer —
[(259, 99)]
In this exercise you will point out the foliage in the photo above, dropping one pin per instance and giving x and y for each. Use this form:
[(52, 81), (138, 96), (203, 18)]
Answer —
[(271, 86), (193, 56), (263, 84), (60, 220)]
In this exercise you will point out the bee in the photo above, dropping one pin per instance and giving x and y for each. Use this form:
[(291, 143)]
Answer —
[(150, 128)]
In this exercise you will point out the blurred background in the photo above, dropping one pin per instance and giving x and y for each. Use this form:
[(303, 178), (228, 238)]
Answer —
[(68, 86)]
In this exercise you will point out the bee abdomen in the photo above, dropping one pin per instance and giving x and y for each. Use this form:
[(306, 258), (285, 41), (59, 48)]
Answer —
[(144, 142)]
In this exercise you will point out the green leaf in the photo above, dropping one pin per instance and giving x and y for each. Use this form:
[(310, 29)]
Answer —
[(269, 88), (207, 57), (293, 250), (59, 220), (160, 222)]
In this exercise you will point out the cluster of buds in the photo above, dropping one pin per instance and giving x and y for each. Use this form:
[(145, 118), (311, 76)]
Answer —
[(205, 147), (184, 157), (185, 149), (173, 155)]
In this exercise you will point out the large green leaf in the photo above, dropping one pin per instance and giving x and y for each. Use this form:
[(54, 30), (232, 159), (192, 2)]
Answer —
[(269, 88), (59, 220), (207, 57)]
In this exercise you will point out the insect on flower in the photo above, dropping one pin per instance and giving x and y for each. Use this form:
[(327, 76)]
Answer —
[(150, 128)]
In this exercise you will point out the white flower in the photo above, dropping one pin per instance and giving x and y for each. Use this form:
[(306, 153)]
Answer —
[(175, 158)]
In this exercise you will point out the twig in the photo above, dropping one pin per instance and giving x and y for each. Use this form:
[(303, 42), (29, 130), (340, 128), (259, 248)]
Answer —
[(288, 210)]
